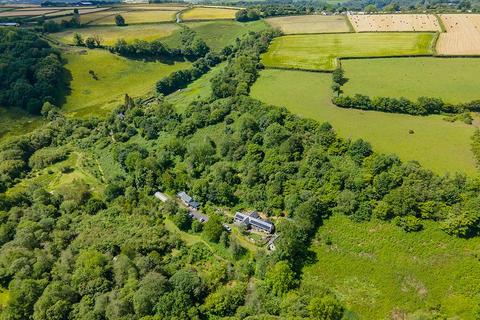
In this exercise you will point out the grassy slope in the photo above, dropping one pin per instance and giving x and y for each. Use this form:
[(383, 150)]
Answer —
[(436, 144), (110, 34), (218, 34), (199, 89), (16, 122), (454, 80), (319, 51), (117, 76), (200, 13), (376, 268)]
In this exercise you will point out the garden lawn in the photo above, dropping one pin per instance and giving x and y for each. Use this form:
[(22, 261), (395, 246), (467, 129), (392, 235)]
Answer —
[(453, 80), (116, 75), (110, 34), (380, 271), (437, 144), (319, 51)]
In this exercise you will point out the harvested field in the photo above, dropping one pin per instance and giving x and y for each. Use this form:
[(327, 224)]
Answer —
[(394, 22), (201, 13), (110, 34), (25, 13), (154, 7), (310, 24), (132, 17), (320, 51), (92, 17), (80, 11), (462, 35)]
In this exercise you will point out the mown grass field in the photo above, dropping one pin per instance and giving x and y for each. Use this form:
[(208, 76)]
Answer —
[(208, 13), (310, 24), (110, 34), (319, 51), (453, 80), (381, 272), (199, 89), (437, 144), (218, 34), (133, 17), (116, 75)]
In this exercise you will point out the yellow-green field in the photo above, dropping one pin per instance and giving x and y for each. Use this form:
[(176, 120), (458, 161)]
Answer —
[(117, 76), (453, 80), (92, 17), (110, 34), (319, 51), (437, 144), (133, 17), (310, 24), (381, 272), (208, 13), (16, 122)]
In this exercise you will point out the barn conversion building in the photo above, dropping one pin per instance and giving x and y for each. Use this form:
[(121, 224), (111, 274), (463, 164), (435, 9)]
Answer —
[(253, 221), (187, 200)]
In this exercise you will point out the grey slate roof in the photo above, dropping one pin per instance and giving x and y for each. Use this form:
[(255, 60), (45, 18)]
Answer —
[(254, 220)]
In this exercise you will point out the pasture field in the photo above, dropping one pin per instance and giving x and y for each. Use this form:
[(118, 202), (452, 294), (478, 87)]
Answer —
[(110, 34), (208, 13), (92, 17), (218, 34), (133, 17), (308, 94), (320, 51), (381, 272), (25, 13), (310, 24), (395, 22), (16, 122), (462, 36), (116, 75), (453, 80)]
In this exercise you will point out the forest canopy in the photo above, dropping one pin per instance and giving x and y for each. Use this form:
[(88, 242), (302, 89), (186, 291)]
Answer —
[(31, 72)]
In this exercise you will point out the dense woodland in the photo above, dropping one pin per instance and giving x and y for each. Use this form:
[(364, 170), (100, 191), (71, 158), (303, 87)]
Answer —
[(31, 72), (81, 253)]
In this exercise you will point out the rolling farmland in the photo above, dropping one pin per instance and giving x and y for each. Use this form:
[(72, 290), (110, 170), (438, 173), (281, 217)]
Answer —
[(308, 94), (395, 23), (133, 17), (453, 80), (462, 35), (310, 24), (208, 13), (319, 52), (110, 34)]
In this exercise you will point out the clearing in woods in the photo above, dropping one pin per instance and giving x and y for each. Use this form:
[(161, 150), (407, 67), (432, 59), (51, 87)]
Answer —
[(208, 13), (110, 34), (462, 36), (453, 80), (101, 79), (310, 24), (378, 270), (319, 51), (395, 22), (308, 94)]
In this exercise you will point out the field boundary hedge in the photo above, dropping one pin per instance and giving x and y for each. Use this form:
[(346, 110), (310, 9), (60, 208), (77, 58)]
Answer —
[(299, 69)]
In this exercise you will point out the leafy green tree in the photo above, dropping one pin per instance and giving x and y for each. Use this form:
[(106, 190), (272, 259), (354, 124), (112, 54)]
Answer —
[(91, 273), (213, 228), (149, 291), (78, 39), (119, 20), (326, 308), (22, 297), (182, 220), (281, 278), (55, 302), (225, 301)]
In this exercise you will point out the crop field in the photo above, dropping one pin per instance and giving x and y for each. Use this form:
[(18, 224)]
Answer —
[(132, 17), (208, 13), (92, 17), (308, 94), (379, 271), (310, 24), (154, 6), (462, 35), (110, 34), (25, 13), (453, 80), (116, 75), (218, 34), (319, 51), (394, 22)]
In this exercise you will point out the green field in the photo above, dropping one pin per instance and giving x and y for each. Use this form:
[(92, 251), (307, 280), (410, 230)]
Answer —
[(110, 34), (437, 144), (218, 34), (319, 51), (454, 80), (199, 89), (16, 122), (117, 76), (378, 270)]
